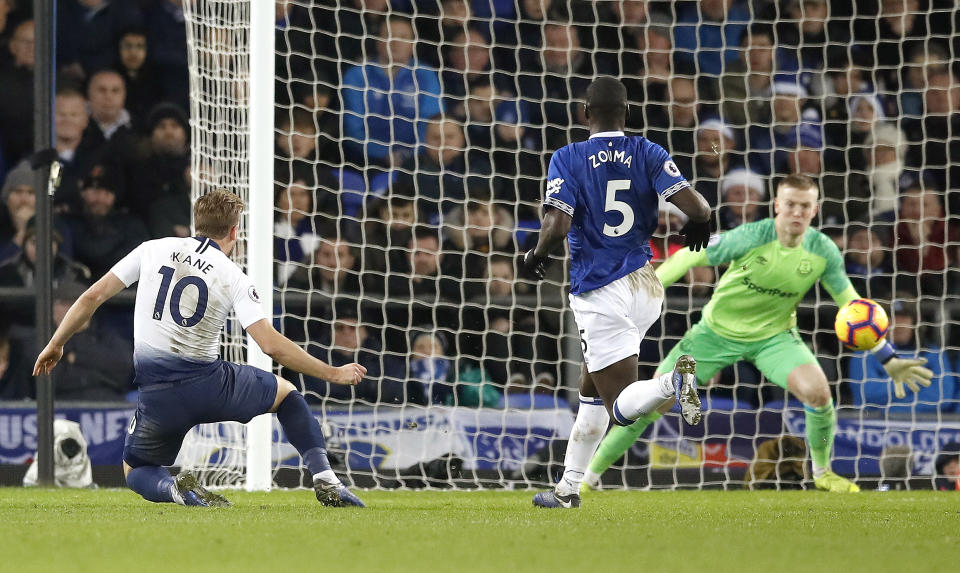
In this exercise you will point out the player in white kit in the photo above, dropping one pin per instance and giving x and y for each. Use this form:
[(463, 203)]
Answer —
[(188, 286)]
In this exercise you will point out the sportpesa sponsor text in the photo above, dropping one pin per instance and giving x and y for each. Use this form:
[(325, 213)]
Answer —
[(767, 291)]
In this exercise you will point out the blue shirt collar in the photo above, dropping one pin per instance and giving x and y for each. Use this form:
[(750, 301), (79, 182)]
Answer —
[(209, 241)]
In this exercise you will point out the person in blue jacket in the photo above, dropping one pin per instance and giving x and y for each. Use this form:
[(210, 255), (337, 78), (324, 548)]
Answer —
[(388, 101)]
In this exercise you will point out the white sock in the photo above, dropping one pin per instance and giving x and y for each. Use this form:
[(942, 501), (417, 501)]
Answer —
[(592, 478), (588, 430), (818, 470), (326, 476), (643, 397), (175, 494)]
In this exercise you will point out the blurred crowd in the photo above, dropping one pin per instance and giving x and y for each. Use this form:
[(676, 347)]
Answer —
[(412, 138)]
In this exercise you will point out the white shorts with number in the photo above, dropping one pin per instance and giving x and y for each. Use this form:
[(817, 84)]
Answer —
[(613, 319)]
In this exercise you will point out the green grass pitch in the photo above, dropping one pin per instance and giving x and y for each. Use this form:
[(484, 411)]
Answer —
[(497, 531)]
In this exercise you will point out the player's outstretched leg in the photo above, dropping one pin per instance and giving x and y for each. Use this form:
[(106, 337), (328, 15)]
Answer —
[(614, 445), (305, 435), (646, 396)]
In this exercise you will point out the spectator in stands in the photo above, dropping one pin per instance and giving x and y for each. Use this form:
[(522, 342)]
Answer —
[(552, 81), (922, 240), (16, 382), (438, 173), (310, 136), (345, 29), (430, 368), (167, 38), (417, 271), (947, 468), (482, 227), (97, 365), (333, 269), (294, 231), (20, 270), (6, 7), (352, 341), (16, 97), (19, 204), (804, 32), (868, 260), (902, 28), (386, 234), (518, 166), (884, 152), (708, 32), (160, 169), (100, 234), (935, 145), (647, 66), (110, 119), (144, 90), (805, 151), (466, 63), (674, 127), (87, 33), (715, 145), (747, 83), (437, 24), (386, 101), (743, 193), (304, 54), (870, 386), (846, 76), (767, 145), (923, 59), (77, 151)]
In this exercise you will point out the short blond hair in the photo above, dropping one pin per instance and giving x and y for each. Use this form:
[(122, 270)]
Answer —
[(216, 212), (798, 181)]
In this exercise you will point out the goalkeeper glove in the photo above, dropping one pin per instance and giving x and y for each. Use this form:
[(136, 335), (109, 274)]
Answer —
[(909, 371), (696, 235), (534, 266)]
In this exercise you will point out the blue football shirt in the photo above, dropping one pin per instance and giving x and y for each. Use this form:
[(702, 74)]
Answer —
[(610, 184)]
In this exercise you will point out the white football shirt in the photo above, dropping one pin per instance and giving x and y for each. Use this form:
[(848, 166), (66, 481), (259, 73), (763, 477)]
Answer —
[(187, 289)]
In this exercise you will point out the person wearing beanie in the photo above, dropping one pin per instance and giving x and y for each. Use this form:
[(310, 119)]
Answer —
[(101, 233), (17, 207), (743, 193), (160, 170)]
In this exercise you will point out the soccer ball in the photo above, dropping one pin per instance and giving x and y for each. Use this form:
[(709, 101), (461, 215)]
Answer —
[(861, 324)]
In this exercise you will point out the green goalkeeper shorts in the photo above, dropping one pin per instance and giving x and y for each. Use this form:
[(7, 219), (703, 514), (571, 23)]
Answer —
[(775, 357)]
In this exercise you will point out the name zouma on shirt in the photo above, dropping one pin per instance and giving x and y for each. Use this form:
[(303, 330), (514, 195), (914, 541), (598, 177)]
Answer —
[(604, 156)]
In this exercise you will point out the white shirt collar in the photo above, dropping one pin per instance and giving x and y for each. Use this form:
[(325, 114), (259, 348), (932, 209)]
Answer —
[(607, 134)]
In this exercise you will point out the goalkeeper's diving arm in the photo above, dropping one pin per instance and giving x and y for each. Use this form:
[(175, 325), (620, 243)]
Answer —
[(909, 371)]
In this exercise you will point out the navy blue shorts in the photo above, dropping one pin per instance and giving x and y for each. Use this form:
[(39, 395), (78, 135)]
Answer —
[(167, 411)]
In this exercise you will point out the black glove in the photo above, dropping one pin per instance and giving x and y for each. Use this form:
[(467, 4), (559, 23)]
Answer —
[(696, 235), (533, 267)]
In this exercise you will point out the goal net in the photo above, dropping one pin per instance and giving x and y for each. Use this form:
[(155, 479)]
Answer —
[(409, 148)]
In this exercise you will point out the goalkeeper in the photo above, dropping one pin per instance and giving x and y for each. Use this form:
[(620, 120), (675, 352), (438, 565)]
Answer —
[(752, 316)]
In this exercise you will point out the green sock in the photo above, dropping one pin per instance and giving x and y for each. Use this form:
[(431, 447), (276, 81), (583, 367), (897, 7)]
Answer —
[(618, 441), (821, 423)]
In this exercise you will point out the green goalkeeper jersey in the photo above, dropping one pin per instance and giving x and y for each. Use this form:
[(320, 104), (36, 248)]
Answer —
[(757, 296)]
